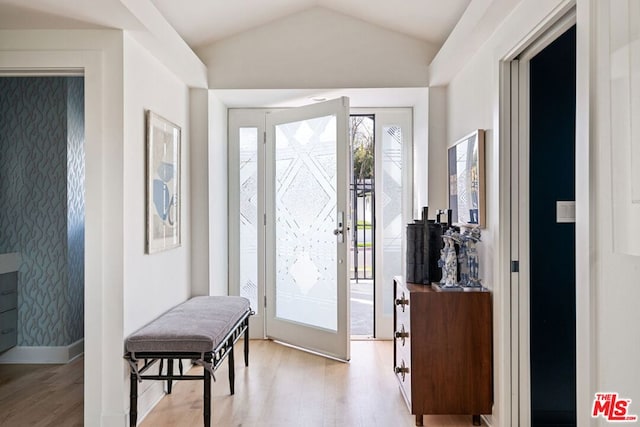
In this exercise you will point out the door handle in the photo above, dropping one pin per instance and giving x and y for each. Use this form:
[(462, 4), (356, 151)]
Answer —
[(339, 231)]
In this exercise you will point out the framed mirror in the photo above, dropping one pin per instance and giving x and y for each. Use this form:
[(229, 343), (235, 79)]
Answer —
[(466, 180)]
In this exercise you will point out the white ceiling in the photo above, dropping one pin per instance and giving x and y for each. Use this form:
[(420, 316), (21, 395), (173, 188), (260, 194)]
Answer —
[(201, 22), (166, 27), (67, 14)]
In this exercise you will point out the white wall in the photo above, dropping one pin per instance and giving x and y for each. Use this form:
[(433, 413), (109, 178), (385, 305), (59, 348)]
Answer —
[(472, 102), (435, 174), (162, 40), (199, 191), (152, 283), (218, 201), (317, 48), (616, 288), (421, 155)]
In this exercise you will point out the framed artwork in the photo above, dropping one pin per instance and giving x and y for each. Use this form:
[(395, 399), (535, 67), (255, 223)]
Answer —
[(466, 180), (163, 184)]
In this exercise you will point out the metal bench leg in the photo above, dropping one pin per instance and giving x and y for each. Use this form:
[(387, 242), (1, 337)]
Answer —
[(232, 368), (133, 400), (169, 373), (246, 344), (207, 395)]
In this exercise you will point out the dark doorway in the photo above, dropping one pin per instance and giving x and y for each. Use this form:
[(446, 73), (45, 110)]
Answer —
[(552, 256)]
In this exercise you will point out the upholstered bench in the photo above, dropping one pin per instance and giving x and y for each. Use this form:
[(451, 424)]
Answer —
[(202, 329)]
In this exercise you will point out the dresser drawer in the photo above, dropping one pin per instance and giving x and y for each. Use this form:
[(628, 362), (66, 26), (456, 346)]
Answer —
[(402, 348), (402, 336), (8, 329), (402, 340), (403, 373), (401, 300), (8, 291)]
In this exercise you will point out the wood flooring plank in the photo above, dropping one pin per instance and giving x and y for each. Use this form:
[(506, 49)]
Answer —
[(286, 387), (282, 387), (42, 395)]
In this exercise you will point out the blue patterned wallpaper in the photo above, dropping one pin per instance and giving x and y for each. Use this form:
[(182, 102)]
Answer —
[(34, 204), (74, 321)]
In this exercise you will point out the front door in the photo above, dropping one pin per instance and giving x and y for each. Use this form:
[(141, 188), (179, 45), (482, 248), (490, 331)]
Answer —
[(306, 196)]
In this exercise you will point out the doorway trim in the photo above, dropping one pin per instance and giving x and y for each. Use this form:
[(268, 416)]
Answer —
[(52, 53), (520, 196), (566, 13), (54, 354)]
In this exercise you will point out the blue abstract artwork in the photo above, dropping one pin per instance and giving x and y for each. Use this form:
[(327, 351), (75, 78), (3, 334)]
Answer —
[(163, 184)]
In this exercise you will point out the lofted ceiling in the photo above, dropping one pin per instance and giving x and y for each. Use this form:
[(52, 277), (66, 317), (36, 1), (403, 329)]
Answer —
[(67, 14), (175, 30), (201, 22)]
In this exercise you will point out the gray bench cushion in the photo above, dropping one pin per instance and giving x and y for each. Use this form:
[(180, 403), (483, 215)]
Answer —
[(197, 325)]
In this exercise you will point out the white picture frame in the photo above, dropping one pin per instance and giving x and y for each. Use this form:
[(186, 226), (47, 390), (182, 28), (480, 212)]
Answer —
[(163, 191)]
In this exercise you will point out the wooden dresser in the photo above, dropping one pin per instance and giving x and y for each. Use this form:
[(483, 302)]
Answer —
[(443, 350)]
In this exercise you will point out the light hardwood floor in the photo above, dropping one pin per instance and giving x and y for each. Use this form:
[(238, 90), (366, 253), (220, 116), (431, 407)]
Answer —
[(42, 395), (285, 387), (282, 387)]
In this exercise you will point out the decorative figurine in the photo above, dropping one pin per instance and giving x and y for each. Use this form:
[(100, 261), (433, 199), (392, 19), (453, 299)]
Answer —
[(472, 238), (463, 261), (449, 260)]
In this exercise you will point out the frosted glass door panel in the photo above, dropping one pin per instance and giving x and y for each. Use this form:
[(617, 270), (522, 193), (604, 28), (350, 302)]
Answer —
[(392, 219), (307, 190), (305, 202), (248, 144)]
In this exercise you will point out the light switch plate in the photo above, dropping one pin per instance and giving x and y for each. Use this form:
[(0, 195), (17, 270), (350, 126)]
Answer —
[(565, 211)]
